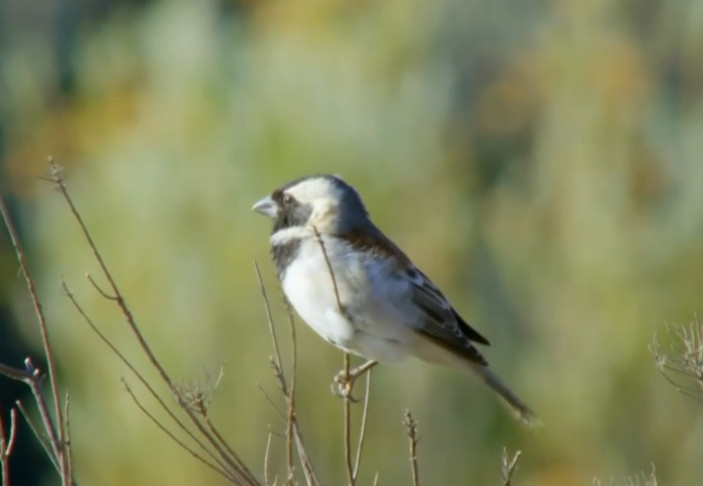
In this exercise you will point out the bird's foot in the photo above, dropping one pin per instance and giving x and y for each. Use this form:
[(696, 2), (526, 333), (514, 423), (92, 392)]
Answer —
[(343, 383)]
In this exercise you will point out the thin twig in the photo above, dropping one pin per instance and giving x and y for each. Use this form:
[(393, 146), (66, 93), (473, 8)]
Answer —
[(411, 432), (267, 453), (99, 288), (508, 466), (236, 468), (293, 427), (682, 358), (308, 469), (362, 428), (340, 307), (7, 441), (272, 328), (67, 433), (271, 402), (276, 362), (134, 370), (224, 443), (291, 402), (34, 384), (346, 406), (116, 294), (38, 435), (220, 468), (15, 373), (346, 377), (55, 433)]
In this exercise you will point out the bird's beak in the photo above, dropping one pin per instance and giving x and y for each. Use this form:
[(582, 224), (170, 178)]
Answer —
[(266, 206)]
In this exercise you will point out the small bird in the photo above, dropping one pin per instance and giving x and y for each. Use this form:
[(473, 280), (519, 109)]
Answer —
[(354, 287)]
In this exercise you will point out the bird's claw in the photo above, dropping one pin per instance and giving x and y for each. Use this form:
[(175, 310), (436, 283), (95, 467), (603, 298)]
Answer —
[(343, 384)]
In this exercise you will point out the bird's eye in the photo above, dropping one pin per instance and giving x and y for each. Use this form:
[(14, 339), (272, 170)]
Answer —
[(288, 199)]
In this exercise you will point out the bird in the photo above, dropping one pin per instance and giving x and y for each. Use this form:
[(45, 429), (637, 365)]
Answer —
[(360, 292)]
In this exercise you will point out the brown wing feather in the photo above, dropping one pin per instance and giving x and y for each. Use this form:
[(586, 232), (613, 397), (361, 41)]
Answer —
[(443, 324)]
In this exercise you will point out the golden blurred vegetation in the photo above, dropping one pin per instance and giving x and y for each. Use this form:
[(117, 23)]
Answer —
[(536, 159)]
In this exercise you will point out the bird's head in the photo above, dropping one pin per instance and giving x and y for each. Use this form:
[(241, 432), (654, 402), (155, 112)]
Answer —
[(323, 201)]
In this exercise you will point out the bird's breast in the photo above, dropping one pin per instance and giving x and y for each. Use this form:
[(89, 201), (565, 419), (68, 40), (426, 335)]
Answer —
[(349, 299)]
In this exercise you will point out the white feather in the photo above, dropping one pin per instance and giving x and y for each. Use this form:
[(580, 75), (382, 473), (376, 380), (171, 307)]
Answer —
[(382, 327)]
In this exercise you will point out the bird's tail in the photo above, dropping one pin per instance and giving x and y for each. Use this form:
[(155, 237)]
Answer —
[(514, 404)]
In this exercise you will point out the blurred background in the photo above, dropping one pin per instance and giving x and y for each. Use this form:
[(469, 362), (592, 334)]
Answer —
[(539, 160)]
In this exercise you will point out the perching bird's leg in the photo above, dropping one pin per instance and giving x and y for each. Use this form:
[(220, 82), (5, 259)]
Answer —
[(343, 383)]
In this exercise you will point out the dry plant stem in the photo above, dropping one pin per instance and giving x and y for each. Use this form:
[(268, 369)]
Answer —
[(116, 295), (225, 444), (411, 431), (278, 371), (291, 403), (308, 470), (270, 401), (508, 466), (267, 454), (136, 373), (362, 430), (340, 307), (236, 468), (7, 441), (56, 434), (348, 379), (346, 405), (14, 373), (293, 432), (31, 377), (219, 468), (67, 434), (39, 436), (683, 358)]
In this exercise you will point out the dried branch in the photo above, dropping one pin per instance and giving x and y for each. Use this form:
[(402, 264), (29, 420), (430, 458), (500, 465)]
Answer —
[(411, 432), (320, 241), (7, 442), (362, 427), (218, 466), (681, 361), (38, 435), (134, 370), (57, 178), (345, 381), (267, 454), (346, 406), (32, 377), (67, 434), (641, 479), (508, 466), (56, 434), (293, 433), (291, 419), (236, 469), (270, 401)]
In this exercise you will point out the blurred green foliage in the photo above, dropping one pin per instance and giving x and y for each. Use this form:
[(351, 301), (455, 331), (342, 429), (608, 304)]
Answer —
[(539, 160)]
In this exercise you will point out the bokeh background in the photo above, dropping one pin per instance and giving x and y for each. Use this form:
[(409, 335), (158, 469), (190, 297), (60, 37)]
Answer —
[(539, 160)]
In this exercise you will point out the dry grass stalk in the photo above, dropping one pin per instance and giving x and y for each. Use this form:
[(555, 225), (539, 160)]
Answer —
[(681, 359), (508, 466), (57, 447), (411, 431)]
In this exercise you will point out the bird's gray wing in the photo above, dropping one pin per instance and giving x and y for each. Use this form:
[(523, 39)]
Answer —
[(441, 323)]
